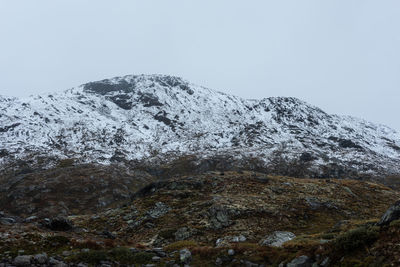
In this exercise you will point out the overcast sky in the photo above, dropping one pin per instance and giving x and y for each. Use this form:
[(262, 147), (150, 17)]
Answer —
[(340, 55)]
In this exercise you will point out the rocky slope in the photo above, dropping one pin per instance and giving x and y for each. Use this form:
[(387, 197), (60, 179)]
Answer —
[(162, 117), (218, 219)]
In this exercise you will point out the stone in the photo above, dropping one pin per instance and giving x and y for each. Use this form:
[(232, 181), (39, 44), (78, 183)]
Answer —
[(219, 217), (277, 239), (41, 258), (156, 259), (185, 256), (231, 252), (218, 262), (31, 219), (325, 262), (302, 261), (182, 234), (250, 264), (108, 234), (66, 253), (159, 210), (7, 221), (24, 260), (393, 213)]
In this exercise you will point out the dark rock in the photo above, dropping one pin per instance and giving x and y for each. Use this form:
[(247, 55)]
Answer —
[(182, 233), (24, 260), (40, 258), (302, 261), (277, 239), (59, 224), (250, 264), (231, 252), (108, 234), (346, 143), (7, 221), (393, 213), (219, 217), (185, 256), (159, 210), (325, 262), (30, 219)]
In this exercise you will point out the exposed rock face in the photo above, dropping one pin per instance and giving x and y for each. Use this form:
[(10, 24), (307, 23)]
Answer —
[(80, 189), (277, 239), (158, 116), (302, 261), (393, 213), (159, 210), (219, 217)]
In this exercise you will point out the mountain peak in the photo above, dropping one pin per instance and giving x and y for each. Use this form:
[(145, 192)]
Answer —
[(129, 83), (140, 116)]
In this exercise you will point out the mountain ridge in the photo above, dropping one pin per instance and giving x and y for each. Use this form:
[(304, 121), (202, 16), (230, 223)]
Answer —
[(160, 116)]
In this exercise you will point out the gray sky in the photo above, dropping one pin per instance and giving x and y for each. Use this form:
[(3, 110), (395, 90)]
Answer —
[(340, 55)]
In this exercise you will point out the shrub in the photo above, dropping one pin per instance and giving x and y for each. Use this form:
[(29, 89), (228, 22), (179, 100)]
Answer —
[(206, 252), (66, 163), (87, 243), (180, 245), (356, 238), (57, 240), (395, 224), (92, 257), (122, 255), (328, 236), (167, 233), (142, 257)]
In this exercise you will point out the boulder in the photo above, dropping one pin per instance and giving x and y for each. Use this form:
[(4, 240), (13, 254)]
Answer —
[(159, 210), (185, 256), (182, 233), (302, 261), (7, 220), (24, 260), (277, 239), (231, 252), (41, 258), (219, 217), (393, 213)]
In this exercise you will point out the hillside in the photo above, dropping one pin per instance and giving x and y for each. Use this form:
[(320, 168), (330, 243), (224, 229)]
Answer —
[(222, 219), (157, 117)]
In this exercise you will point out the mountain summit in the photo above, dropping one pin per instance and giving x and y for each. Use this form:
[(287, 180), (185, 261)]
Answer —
[(147, 116)]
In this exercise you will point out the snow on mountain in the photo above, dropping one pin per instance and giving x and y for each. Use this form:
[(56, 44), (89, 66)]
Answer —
[(140, 116)]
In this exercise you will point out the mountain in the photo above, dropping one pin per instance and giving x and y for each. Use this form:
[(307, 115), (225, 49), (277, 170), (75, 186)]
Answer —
[(150, 117)]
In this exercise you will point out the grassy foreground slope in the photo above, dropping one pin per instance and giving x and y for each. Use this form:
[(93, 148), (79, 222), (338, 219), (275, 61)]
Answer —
[(333, 220)]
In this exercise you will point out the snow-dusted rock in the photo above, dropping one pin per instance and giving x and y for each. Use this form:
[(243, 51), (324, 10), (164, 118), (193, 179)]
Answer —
[(147, 116), (393, 213)]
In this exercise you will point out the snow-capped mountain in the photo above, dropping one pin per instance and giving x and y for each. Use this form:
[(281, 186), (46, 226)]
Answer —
[(136, 117)]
